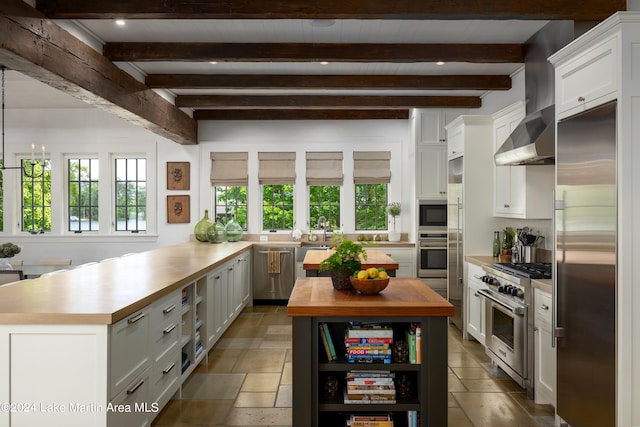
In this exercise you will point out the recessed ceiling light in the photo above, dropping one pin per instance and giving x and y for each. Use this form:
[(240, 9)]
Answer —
[(120, 22), (213, 62), (324, 63), (322, 23), (440, 63)]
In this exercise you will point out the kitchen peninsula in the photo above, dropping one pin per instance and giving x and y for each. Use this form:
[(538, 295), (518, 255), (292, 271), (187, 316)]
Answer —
[(375, 258), (103, 344), (406, 302)]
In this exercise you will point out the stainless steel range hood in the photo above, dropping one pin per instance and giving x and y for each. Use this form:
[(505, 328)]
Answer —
[(531, 142)]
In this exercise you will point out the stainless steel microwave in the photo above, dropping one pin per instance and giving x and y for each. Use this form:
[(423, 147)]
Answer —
[(432, 214)]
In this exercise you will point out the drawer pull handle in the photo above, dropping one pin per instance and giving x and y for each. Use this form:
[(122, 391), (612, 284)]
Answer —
[(507, 206), (544, 307), (135, 387), (168, 368), (581, 99), (136, 318), (169, 328), (169, 309), (217, 277)]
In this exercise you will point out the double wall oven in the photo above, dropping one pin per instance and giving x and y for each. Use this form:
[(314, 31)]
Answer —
[(509, 319), (432, 244)]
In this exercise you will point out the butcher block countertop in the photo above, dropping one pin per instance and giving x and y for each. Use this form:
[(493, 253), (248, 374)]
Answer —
[(375, 258), (316, 297), (109, 291)]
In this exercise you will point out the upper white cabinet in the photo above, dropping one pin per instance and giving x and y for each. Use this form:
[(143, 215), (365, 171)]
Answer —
[(430, 125), (431, 171), (587, 80), (520, 191)]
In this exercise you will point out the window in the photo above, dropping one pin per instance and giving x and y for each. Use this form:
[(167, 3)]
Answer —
[(36, 196), (231, 202), (83, 210), (131, 194), (371, 202), (277, 207), (324, 200)]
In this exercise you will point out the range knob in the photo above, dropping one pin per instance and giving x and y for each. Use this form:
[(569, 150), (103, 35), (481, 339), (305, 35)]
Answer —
[(520, 293), (514, 291), (502, 288)]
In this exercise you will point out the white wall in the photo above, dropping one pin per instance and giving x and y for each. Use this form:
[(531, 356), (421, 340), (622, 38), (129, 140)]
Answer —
[(89, 130)]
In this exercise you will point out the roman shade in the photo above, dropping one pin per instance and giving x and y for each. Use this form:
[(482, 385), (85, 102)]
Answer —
[(371, 167), (324, 168), (277, 168), (229, 169)]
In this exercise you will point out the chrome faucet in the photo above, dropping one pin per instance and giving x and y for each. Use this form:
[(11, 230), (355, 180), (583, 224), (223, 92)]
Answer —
[(322, 223)]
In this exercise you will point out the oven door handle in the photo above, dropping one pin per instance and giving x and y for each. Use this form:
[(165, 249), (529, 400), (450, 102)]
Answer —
[(515, 310)]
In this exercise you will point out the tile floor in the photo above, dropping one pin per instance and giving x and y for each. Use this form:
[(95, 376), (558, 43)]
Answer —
[(247, 382)]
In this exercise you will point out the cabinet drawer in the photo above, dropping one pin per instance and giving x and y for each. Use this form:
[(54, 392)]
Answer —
[(543, 306), (165, 337), (165, 378), (131, 406), (129, 353), (586, 80), (167, 307)]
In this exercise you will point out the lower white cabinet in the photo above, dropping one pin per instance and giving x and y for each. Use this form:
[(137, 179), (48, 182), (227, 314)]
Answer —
[(545, 354), (406, 259), (475, 304)]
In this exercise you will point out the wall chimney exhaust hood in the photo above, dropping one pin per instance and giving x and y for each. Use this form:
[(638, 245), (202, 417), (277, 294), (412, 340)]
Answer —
[(532, 142)]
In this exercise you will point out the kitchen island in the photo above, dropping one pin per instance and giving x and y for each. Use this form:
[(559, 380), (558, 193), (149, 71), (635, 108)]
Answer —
[(375, 258), (110, 343), (406, 302)]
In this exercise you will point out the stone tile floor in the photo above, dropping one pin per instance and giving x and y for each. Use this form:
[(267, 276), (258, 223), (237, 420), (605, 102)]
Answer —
[(247, 382)]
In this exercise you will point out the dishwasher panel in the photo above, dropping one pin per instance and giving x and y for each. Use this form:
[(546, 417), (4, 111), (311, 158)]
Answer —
[(270, 286)]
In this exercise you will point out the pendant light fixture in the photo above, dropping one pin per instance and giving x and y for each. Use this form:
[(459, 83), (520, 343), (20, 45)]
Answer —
[(4, 166)]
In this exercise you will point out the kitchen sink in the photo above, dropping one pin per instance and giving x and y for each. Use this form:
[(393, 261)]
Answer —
[(302, 250)]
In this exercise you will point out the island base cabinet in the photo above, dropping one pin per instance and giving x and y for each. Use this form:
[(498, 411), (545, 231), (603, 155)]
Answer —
[(54, 375), (428, 380)]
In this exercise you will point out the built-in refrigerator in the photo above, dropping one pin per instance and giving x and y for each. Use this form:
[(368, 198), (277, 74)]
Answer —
[(455, 264), (585, 288)]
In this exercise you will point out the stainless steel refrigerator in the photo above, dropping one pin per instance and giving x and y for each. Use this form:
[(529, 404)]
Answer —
[(454, 240), (585, 291)]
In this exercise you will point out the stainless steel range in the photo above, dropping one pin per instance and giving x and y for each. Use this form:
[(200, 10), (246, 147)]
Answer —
[(509, 320)]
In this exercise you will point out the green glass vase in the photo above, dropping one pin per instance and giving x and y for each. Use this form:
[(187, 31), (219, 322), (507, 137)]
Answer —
[(234, 231), (200, 230), (216, 233)]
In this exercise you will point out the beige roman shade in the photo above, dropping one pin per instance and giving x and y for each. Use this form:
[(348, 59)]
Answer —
[(324, 168), (371, 167), (228, 169), (277, 168)]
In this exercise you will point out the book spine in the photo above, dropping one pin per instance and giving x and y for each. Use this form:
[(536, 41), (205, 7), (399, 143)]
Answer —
[(326, 345), (366, 352), (368, 340), (371, 423), (411, 342), (370, 333), (327, 334), (418, 345)]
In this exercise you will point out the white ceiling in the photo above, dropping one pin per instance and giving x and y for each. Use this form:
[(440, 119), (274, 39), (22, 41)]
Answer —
[(23, 92)]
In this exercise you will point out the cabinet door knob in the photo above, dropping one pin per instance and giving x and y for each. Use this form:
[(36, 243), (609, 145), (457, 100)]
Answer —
[(507, 206), (581, 99), (544, 307)]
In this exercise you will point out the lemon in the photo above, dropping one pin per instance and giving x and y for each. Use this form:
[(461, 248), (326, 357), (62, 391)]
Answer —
[(383, 275), (362, 274), (373, 272)]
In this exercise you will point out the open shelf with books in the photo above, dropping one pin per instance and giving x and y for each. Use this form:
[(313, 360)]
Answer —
[(369, 356)]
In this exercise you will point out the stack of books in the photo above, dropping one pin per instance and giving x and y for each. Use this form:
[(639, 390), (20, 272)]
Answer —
[(368, 342), (370, 387), (369, 421)]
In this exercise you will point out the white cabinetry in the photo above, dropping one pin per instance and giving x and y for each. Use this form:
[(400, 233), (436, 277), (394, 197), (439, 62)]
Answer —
[(475, 303), (406, 259), (588, 79), (545, 354), (455, 143), (431, 171), (520, 191), (430, 124)]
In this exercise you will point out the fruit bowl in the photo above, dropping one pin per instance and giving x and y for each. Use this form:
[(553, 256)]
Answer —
[(369, 286)]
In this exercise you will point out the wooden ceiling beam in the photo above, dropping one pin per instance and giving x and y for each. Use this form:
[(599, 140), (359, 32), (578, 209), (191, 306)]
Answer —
[(325, 101), (35, 46), (300, 114), (491, 53), (585, 10), (288, 81)]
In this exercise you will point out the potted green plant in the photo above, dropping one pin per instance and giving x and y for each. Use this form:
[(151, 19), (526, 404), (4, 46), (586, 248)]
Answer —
[(7, 250), (343, 262), (393, 210)]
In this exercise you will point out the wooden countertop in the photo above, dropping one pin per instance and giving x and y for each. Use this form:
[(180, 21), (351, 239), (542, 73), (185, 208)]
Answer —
[(545, 285), (316, 297), (106, 292), (375, 258)]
